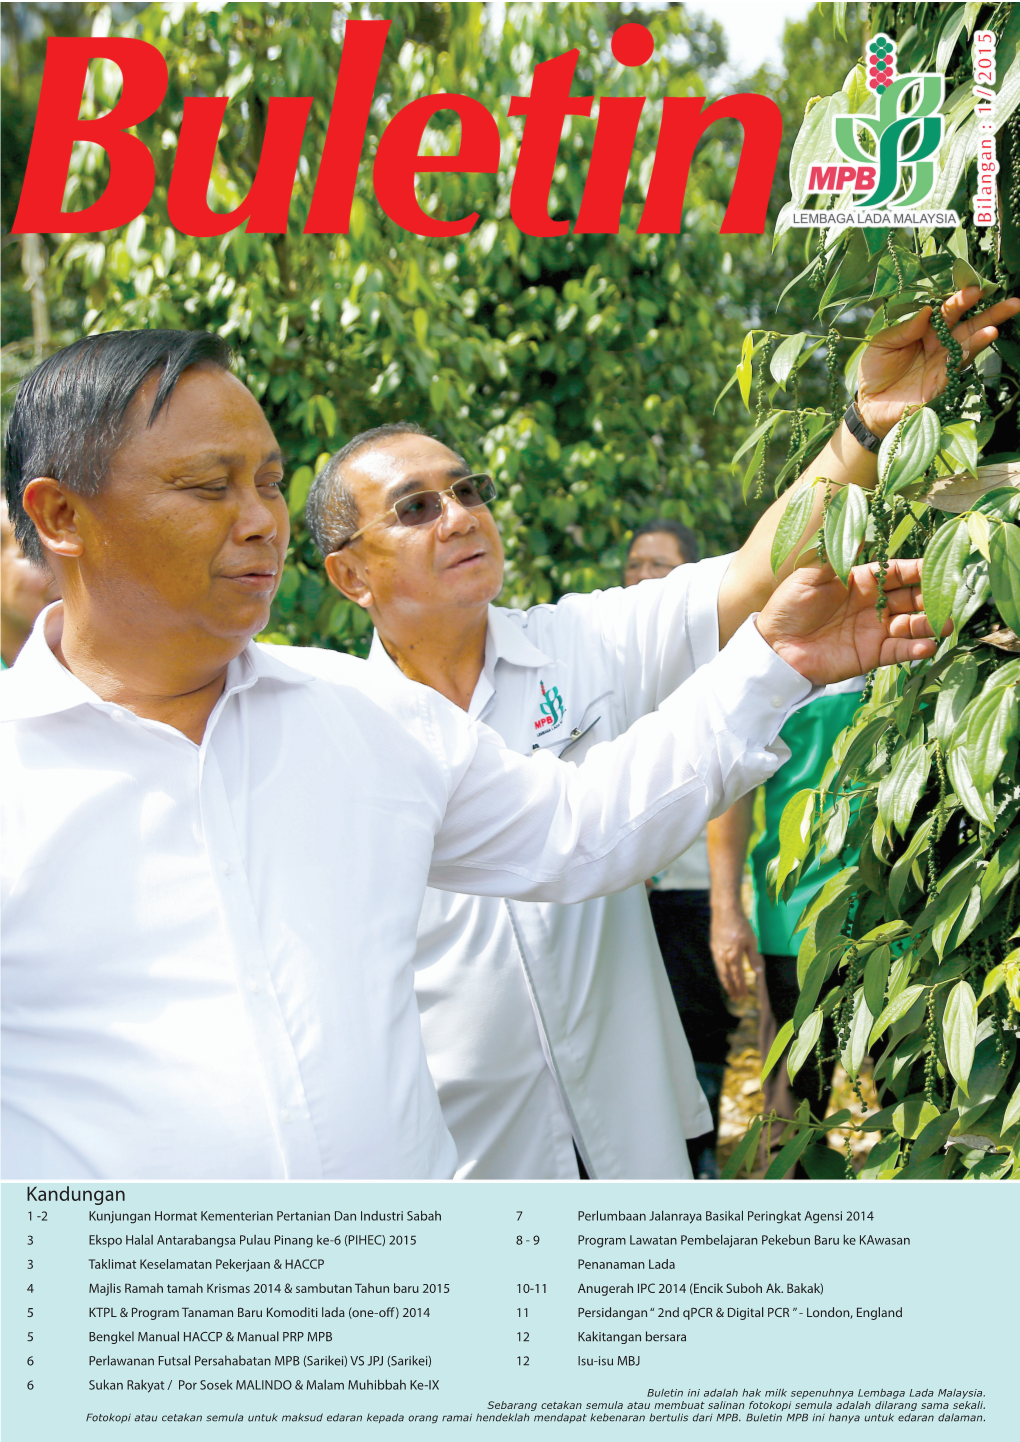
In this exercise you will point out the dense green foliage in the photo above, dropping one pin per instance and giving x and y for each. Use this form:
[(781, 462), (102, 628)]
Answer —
[(912, 948), (580, 370)]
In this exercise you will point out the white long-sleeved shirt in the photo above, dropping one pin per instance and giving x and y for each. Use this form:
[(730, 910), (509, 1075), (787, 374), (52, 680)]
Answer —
[(546, 1025), (208, 948)]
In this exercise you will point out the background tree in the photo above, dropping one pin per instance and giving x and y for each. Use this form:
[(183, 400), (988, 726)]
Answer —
[(581, 369)]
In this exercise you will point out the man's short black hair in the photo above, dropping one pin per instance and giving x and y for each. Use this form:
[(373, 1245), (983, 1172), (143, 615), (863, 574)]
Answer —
[(331, 512), (68, 417), (685, 538)]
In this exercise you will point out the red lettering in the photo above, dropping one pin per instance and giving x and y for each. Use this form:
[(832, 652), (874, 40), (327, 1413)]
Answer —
[(57, 127), (633, 44), (682, 127), (398, 161), (615, 134), (360, 59), (268, 201), (545, 109), (822, 180), (846, 174), (865, 177), (606, 181)]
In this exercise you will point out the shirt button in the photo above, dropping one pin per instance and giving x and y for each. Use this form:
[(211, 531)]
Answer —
[(285, 1116), (777, 701), (226, 867), (254, 985)]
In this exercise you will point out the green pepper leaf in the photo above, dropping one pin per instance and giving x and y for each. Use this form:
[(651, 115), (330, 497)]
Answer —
[(792, 526), (818, 972), (959, 1030), (794, 833), (991, 722), (835, 889), (804, 1044), (789, 1155), (964, 274), (856, 1047), (993, 980), (896, 1008), (846, 520), (986, 1080), (901, 787), (933, 1136), (744, 1151), (1004, 572), (977, 803), (942, 575), (880, 935), (882, 1158), (900, 875), (959, 446), (1002, 868), (912, 1116), (759, 431), (957, 687), (909, 449), (876, 974), (1012, 1113), (778, 1047), (835, 831), (784, 358), (823, 1164), (957, 913)]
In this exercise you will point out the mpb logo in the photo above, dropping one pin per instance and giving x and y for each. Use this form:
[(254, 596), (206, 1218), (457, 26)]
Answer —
[(551, 710), (906, 132)]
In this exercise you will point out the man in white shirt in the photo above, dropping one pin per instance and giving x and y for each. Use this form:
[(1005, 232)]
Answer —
[(550, 1027), (215, 853)]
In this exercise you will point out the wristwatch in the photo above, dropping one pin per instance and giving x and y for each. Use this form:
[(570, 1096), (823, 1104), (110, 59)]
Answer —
[(854, 423)]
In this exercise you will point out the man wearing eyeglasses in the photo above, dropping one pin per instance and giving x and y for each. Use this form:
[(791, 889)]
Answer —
[(550, 1029)]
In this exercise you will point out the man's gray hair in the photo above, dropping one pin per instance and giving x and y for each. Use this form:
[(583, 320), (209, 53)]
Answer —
[(331, 512)]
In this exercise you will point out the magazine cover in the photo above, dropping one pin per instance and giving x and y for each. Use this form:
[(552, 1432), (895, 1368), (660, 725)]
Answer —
[(511, 635)]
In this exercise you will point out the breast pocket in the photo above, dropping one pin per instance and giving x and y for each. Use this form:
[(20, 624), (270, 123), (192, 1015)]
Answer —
[(585, 730)]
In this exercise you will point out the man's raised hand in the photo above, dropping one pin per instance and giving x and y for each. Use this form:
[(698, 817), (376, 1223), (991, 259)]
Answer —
[(830, 632), (905, 365)]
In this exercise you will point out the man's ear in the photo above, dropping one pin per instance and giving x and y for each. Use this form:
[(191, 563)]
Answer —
[(343, 570), (53, 510)]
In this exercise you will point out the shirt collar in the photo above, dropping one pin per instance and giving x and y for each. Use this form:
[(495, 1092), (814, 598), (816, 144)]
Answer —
[(504, 641), (40, 685), (510, 642)]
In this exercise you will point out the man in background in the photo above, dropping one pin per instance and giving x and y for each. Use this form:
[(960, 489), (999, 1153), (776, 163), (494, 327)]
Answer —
[(679, 895), (25, 589), (810, 733)]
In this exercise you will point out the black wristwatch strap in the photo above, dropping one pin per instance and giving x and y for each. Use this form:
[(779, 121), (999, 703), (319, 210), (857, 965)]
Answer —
[(855, 425)]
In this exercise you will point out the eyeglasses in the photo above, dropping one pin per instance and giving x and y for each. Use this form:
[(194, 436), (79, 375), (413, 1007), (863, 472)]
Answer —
[(423, 508)]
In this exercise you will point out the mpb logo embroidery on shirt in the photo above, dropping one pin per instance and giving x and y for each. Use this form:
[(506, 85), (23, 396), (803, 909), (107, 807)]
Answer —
[(551, 710)]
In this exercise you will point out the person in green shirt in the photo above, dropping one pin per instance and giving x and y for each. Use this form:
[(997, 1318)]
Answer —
[(771, 943)]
